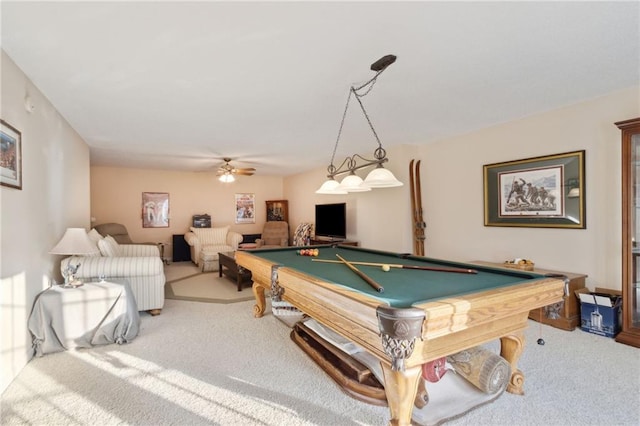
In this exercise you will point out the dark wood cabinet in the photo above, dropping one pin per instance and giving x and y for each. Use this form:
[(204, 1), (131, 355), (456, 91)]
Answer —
[(181, 251), (630, 333), (278, 210)]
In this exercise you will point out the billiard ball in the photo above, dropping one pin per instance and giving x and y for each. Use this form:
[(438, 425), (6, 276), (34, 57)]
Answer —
[(386, 268)]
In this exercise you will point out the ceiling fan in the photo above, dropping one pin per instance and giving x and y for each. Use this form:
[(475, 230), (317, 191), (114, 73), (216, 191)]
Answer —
[(226, 171)]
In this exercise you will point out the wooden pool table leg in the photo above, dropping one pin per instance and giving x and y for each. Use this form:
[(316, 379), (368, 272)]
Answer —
[(511, 347), (400, 388), (259, 307)]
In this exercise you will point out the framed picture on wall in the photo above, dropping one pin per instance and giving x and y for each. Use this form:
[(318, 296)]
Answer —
[(245, 208), (10, 156), (543, 192), (155, 210), (277, 210)]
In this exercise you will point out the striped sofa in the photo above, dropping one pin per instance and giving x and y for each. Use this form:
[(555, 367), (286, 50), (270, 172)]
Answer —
[(140, 264)]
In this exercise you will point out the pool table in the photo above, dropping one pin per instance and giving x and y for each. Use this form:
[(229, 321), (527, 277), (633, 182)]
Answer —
[(421, 315)]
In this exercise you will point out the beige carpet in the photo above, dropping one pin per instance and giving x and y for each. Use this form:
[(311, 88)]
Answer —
[(208, 364), (185, 281)]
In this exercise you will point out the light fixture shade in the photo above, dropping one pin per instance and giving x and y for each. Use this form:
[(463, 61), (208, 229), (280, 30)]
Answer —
[(227, 178), (381, 178), (353, 183), (75, 241), (330, 187)]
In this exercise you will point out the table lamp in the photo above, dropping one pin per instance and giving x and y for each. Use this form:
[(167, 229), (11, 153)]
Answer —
[(75, 241)]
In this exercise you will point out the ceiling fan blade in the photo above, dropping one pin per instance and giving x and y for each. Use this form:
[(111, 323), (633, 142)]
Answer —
[(227, 168)]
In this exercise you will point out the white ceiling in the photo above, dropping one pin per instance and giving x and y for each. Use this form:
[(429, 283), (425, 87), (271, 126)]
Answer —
[(180, 85)]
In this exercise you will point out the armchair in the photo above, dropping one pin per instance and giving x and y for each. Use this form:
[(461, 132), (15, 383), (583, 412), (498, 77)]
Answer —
[(117, 231), (206, 243), (274, 234)]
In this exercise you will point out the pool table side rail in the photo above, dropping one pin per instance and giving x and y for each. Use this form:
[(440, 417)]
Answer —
[(260, 268), (445, 345), (353, 315), (458, 313)]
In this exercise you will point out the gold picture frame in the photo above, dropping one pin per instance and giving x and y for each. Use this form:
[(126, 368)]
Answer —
[(10, 156)]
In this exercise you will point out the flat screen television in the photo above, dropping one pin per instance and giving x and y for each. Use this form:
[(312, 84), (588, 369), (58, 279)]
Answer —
[(331, 221)]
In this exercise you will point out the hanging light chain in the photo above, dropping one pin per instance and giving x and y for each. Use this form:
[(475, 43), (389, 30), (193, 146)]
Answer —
[(379, 153), (332, 169), (364, 111)]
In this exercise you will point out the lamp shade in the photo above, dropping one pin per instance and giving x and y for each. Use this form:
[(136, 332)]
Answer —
[(381, 178), (75, 241), (330, 187), (353, 183)]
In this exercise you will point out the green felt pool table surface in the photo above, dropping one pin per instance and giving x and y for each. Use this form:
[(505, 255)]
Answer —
[(402, 287)]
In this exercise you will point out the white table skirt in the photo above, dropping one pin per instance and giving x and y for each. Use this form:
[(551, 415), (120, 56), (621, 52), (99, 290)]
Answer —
[(82, 317)]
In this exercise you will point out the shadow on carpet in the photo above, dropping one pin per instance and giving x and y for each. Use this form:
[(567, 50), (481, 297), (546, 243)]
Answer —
[(206, 287)]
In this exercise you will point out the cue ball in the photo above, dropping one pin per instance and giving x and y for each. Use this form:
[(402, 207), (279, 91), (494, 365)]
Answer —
[(386, 268)]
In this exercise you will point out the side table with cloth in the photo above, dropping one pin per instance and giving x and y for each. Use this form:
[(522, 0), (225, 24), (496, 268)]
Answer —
[(95, 313)]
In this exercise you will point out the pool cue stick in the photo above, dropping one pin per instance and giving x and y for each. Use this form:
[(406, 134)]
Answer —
[(362, 275), (400, 266)]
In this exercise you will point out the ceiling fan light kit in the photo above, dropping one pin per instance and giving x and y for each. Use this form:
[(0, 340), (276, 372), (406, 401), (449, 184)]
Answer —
[(378, 177), (227, 178), (226, 172)]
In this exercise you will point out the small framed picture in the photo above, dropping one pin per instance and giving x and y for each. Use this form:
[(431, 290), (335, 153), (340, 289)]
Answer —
[(543, 192), (10, 156), (155, 210), (245, 208)]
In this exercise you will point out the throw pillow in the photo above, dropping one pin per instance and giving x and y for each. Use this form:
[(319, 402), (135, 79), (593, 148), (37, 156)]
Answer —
[(212, 236), (109, 247), (302, 236), (95, 237)]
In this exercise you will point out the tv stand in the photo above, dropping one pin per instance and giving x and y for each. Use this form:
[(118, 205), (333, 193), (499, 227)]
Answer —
[(317, 242)]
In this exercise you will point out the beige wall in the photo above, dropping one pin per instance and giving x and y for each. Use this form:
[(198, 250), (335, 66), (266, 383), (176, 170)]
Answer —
[(457, 224), (116, 196), (452, 183), (54, 196)]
